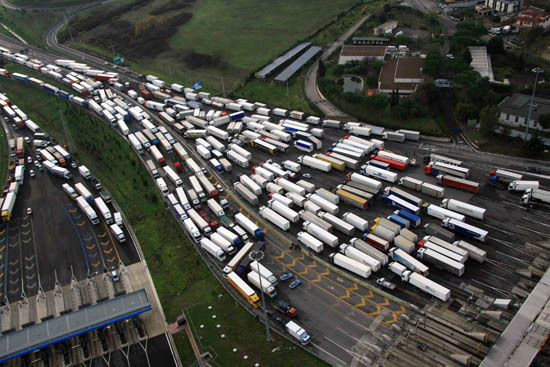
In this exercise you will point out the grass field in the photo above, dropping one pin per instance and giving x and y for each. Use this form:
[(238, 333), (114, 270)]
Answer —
[(181, 278), (31, 26), (49, 3)]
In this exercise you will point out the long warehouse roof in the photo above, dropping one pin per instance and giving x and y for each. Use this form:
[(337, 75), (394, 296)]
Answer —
[(282, 59), (71, 324), (296, 65)]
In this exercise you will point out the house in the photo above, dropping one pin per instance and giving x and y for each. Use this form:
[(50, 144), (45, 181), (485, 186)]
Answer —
[(532, 17), (385, 28), (361, 53), (515, 109), (483, 10), (504, 6), (401, 74)]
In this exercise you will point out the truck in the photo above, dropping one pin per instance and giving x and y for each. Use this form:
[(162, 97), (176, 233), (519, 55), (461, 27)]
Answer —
[(195, 184), (290, 186), (426, 285), (352, 199), (260, 171), (235, 157), (404, 244), (411, 183), (334, 162), (355, 220), (531, 197), (246, 193), (229, 236), (83, 191), (474, 252), (159, 158), (199, 221), (212, 249), (338, 223), (358, 255), (370, 185), (285, 308), (376, 241), (274, 218), (135, 143), (152, 168), (350, 264), (323, 203), (244, 289), (308, 216), (465, 229), (215, 207), (87, 209), (314, 163), (117, 232), (391, 190), (410, 262), (249, 226), (104, 210), (369, 250), (173, 176), (400, 166), (433, 190), (84, 172), (440, 168), (308, 186), (70, 191), (401, 204), (413, 219), (261, 283), (283, 210), (464, 208), (458, 183), (434, 230), (297, 332), (500, 177), (264, 272), (310, 242), (7, 206), (321, 234), (441, 213), (192, 229), (380, 173), (207, 185), (522, 185)]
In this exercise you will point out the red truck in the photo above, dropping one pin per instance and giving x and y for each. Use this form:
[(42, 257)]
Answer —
[(458, 183), (393, 164), (177, 166)]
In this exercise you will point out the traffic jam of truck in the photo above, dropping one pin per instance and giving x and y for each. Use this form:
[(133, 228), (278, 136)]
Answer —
[(351, 194)]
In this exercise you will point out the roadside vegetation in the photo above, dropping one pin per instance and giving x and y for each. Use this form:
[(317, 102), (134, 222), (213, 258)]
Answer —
[(30, 25), (181, 278), (49, 3), (4, 155)]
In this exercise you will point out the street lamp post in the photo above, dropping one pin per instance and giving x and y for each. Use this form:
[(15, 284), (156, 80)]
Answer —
[(537, 71), (258, 256)]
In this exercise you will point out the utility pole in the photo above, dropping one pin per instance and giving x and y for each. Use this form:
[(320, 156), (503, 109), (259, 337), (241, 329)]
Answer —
[(258, 256), (223, 86), (68, 26), (537, 71)]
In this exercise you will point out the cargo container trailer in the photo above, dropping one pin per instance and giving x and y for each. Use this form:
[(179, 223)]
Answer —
[(360, 131), (283, 210), (402, 222), (474, 252), (308, 186), (304, 146), (401, 204), (334, 162), (8, 205), (400, 166), (383, 232), (458, 183), (500, 176), (314, 163), (339, 224), (352, 199), (274, 218), (327, 195), (443, 159), (435, 230), (360, 256), (250, 184), (522, 185), (244, 289), (103, 210), (249, 196), (376, 241), (416, 201), (355, 220), (351, 265), (394, 136), (350, 163), (323, 203), (295, 199), (532, 197), (433, 190), (260, 282), (449, 246), (237, 158), (310, 242), (464, 208), (410, 262), (441, 213), (326, 237), (159, 158), (374, 185), (439, 168), (276, 169), (440, 261), (427, 285), (379, 173), (207, 185), (87, 209), (241, 151), (249, 226), (379, 164), (410, 134), (441, 250), (369, 250), (465, 229), (413, 219)]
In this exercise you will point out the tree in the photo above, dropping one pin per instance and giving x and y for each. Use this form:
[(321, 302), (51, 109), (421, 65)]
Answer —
[(322, 69), (519, 65), (544, 120), (488, 118), (495, 46), (467, 56), (433, 60), (535, 33), (466, 111), (534, 146)]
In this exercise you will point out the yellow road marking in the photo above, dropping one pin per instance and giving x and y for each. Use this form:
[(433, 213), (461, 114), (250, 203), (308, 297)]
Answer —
[(96, 264), (102, 235), (377, 312), (2, 249), (81, 224), (104, 243), (90, 247), (113, 242), (348, 294), (3, 231), (111, 250)]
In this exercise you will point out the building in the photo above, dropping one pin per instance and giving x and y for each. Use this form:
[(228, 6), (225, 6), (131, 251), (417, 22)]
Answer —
[(402, 74), (532, 17), (515, 109), (361, 53), (370, 40), (504, 6), (385, 28), (481, 62), (483, 10)]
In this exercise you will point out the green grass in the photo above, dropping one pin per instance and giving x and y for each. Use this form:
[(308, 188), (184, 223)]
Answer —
[(180, 276), (275, 94), (29, 25), (48, 3)]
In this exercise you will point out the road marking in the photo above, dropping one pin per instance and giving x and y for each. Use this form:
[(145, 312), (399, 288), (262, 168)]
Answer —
[(111, 250), (91, 247), (348, 294), (81, 224), (330, 354), (102, 235), (113, 242)]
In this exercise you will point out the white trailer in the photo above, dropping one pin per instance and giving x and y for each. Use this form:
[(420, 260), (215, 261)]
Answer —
[(264, 272), (308, 186), (442, 213), (235, 157), (380, 173), (338, 223), (370, 250), (360, 256), (474, 253), (290, 186), (314, 163), (427, 285), (321, 234), (433, 190), (104, 210), (274, 218), (522, 185), (283, 210), (411, 183), (212, 249), (375, 185), (350, 264), (250, 184), (323, 203), (355, 220), (464, 208), (173, 176), (296, 199), (310, 242)]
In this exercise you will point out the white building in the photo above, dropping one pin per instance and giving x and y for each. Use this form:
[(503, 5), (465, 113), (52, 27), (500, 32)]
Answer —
[(515, 109), (504, 6)]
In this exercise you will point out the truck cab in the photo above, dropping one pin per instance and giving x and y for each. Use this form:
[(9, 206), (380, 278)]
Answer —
[(286, 309), (298, 333)]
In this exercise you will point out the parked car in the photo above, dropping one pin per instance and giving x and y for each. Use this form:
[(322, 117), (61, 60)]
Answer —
[(286, 276), (294, 283)]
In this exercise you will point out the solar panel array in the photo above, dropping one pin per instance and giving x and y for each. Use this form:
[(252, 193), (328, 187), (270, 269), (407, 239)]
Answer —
[(296, 65), (264, 73)]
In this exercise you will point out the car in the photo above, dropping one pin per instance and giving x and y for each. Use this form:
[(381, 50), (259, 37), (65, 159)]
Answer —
[(306, 175), (29, 159), (205, 171), (31, 172), (423, 347), (114, 276), (219, 188), (29, 211), (74, 165), (27, 140), (40, 167), (286, 276), (36, 163), (294, 283)]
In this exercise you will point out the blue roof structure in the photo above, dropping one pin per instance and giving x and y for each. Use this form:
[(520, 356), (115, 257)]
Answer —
[(264, 72), (296, 65), (71, 324)]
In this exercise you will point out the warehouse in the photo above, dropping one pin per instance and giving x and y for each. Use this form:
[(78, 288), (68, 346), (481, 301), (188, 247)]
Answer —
[(361, 53), (402, 74)]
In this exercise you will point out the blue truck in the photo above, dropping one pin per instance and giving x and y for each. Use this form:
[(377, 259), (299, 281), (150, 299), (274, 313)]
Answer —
[(402, 222), (414, 220), (237, 115)]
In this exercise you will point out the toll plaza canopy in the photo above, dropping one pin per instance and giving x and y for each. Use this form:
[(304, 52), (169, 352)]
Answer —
[(71, 324)]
